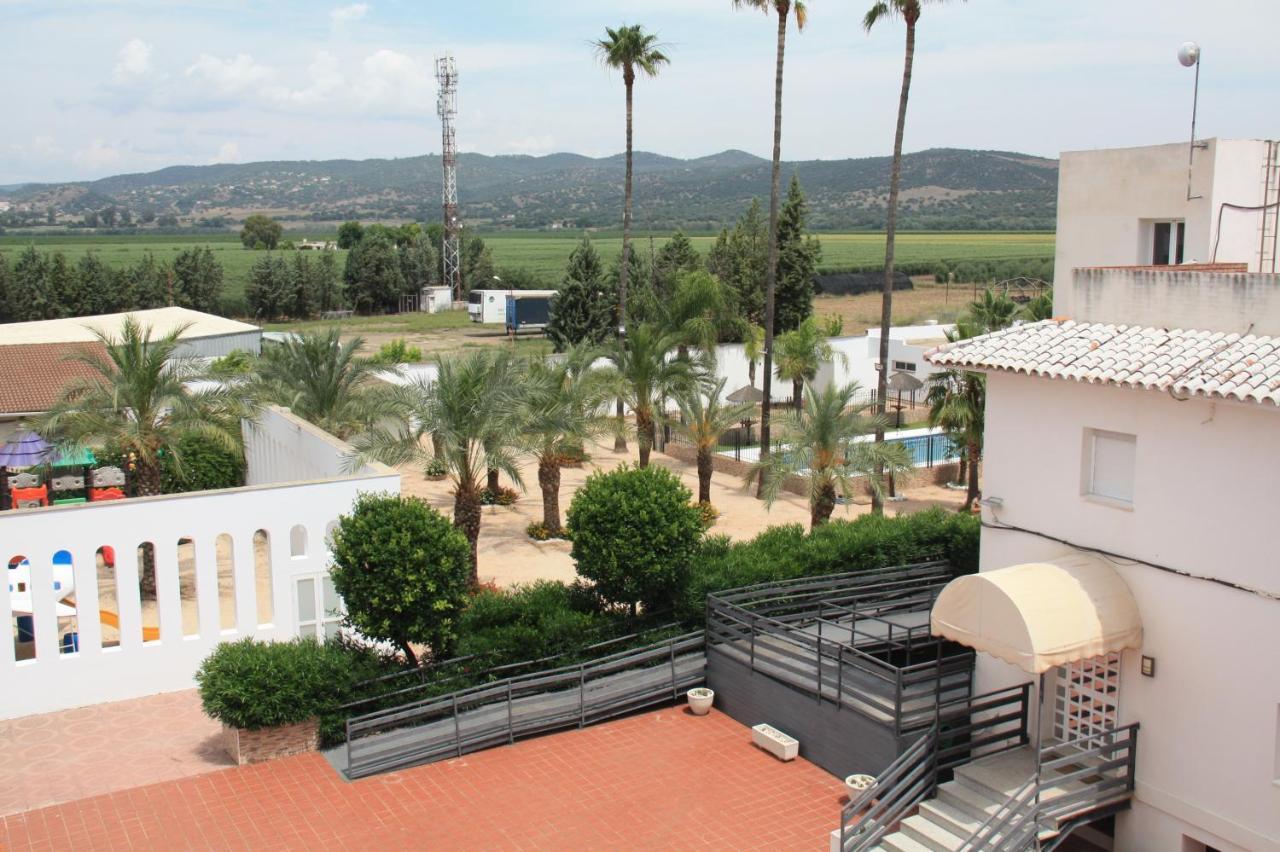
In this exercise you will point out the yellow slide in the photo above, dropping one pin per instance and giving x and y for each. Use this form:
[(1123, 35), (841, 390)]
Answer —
[(110, 619)]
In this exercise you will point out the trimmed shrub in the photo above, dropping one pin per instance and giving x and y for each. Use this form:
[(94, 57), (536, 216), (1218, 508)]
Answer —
[(502, 497), (250, 684), (403, 571), (205, 466), (707, 513), (398, 352), (528, 622), (635, 535)]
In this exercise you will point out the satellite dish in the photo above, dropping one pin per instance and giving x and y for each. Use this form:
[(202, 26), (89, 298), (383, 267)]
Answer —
[(1189, 53)]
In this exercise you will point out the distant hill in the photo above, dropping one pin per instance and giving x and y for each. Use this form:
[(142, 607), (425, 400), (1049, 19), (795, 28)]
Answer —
[(943, 188)]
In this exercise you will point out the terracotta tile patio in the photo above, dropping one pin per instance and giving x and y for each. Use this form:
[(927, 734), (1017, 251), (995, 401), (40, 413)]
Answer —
[(665, 779), (74, 754)]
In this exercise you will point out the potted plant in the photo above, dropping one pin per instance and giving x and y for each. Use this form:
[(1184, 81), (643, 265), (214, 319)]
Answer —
[(700, 699), (858, 784)]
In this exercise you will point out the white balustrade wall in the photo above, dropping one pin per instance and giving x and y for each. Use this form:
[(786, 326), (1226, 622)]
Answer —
[(296, 518)]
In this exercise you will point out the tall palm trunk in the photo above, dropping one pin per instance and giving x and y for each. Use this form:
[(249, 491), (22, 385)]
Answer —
[(890, 233), (645, 434), (822, 505), (147, 478), (704, 474), (972, 495), (797, 390), (549, 482), (492, 480), (771, 273), (629, 79), (751, 373), (466, 517)]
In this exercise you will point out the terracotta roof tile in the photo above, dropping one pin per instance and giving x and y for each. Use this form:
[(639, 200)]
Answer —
[(1211, 364), (32, 375)]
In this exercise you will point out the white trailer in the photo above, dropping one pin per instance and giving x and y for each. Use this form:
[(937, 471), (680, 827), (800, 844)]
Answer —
[(490, 306)]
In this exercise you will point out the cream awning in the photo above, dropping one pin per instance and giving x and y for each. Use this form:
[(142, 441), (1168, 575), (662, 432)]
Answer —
[(1041, 614)]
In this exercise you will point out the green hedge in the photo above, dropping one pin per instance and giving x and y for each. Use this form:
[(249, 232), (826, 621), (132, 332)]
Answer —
[(206, 466), (250, 684), (867, 542)]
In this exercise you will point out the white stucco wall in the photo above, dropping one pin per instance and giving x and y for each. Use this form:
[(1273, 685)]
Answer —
[(1205, 502), (1209, 301), (280, 447)]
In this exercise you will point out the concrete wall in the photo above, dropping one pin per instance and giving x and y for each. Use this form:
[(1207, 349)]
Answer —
[(1212, 301), (1205, 478), (280, 447), (1108, 199)]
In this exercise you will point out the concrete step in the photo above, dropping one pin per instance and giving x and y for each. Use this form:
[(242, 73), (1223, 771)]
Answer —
[(900, 842), (929, 833)]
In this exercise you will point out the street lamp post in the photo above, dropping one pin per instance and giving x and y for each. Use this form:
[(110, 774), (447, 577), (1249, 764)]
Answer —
[(1189, 56)]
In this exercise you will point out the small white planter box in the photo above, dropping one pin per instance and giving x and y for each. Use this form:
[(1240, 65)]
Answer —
[(775, 742)]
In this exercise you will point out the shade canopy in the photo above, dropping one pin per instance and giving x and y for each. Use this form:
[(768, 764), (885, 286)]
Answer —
[(746, 393), (904, 382), (25, 450), (1041, 614)]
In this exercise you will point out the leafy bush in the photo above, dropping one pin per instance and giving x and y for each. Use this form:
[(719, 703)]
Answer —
[(635, 535), (528, 622), (205, 466), (707, 513), (865, 543), (237, 362), (402, 570), (501, 497), (435, 468), (538, 532), (398, 352), (251, 684)]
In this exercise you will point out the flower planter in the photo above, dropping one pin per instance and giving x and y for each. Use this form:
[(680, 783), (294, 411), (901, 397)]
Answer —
[(254, 746), (780, 745), (858, 784), (700, 700)]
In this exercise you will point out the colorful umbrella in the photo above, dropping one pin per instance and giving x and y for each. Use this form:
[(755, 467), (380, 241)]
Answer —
[(25, 450)]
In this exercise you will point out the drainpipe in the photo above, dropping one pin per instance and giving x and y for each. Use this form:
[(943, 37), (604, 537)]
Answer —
[(1039, 715)]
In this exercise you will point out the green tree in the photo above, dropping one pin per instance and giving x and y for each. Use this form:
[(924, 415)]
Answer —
[(583, 310), (30, 292), (304, 297), (703, 419), (328, 282), (801, 352), (323, 380), (197, 279), (476, 262), (269, 290), (402, 571), (993, 311), (909, 11), (798, 256), (635, 535), (146, 284), (818, 443), (629, 49), (560, 411), (676, 258), (957, 402), (102, 283), (349, 234), (261, 229), (6, 287), (1039, 308), (781, 8), (699, 312), (373, 277), (643, 377), (752, 349), (418, 263), (473, 424), (739, 257)]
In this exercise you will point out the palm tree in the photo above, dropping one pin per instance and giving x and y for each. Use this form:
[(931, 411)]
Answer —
[(993, 311), (697, 312), (818, 442), (800, 353), (957, 402), (782, 8), (1039, 308), (324, 381), (703, 419), (643, 377), (138, 401), (560, 410), (752, 349), (909, 11), (471, 419), (630, 49)]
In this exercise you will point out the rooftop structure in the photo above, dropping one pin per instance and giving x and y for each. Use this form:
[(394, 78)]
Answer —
[(33, 375), (205, 335)]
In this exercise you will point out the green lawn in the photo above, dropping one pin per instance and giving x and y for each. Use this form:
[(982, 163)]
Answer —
[(545, 252)]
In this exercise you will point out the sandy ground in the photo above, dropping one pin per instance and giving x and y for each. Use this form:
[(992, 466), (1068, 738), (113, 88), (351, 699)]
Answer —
[(508, 556)]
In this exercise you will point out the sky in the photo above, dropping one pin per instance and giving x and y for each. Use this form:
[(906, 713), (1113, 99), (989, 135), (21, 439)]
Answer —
[(114, 86)]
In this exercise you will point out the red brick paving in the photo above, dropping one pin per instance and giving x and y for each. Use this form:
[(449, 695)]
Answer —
[(662, 780)]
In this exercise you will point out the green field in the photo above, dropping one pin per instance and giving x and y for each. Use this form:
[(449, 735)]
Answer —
[(546, 252)]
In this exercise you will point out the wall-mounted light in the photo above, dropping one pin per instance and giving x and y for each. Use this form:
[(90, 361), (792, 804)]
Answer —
[(1148, 666)]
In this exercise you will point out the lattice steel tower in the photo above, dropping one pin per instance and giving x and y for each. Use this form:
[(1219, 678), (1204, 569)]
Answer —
[(447, 108)]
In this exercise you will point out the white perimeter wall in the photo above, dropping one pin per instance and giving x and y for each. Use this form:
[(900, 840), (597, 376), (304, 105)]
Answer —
[(55, 681), (280, 447), (1205, 502)]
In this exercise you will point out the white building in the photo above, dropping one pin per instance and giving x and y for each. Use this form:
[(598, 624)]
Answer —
[(1135, 449), (203, 335), (1144, 207)]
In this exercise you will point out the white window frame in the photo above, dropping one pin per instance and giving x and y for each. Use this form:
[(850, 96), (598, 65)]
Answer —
[(318, 626), (1087, 468), (1171, 259), (905, 366)]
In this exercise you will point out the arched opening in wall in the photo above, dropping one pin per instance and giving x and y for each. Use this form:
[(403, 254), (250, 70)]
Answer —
[(104, 559), (66, 602), (23, 628), (147, 588), (225, 553), (262, 577), (298, 541), (188, 587)]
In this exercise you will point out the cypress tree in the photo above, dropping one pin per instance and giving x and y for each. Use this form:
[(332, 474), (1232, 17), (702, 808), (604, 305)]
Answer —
[(584, 309), (197, 280), (798, 256)]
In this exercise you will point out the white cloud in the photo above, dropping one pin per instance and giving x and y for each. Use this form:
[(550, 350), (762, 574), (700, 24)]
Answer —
[(346, 14), (97, 156), (133, 60), (228, 78), (229, 152), (532, 144)]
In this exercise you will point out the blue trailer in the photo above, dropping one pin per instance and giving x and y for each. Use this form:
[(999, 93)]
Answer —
[(528, 310)]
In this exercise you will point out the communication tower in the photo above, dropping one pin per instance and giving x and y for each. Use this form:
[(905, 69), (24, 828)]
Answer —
[(447, 108)]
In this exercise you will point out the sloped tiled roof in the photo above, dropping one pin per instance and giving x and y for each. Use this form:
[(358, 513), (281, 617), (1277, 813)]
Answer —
[(1211, 364), (32, 375)]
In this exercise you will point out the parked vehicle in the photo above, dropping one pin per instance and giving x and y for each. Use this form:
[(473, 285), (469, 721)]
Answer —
[(528, 310)]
